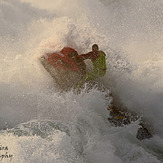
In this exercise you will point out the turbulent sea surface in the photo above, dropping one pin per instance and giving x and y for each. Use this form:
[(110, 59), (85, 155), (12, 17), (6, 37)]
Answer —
[(38, 124)]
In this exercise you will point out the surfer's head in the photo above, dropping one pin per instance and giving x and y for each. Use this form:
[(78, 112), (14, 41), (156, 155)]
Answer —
[(95, 47)]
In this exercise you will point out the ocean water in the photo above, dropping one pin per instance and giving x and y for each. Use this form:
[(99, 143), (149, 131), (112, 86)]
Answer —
[(41, 125)]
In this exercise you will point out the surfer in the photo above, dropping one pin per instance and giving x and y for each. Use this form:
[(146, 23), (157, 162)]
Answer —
[(99, 62)]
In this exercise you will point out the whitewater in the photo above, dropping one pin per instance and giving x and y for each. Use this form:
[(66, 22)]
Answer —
[(40, 124)]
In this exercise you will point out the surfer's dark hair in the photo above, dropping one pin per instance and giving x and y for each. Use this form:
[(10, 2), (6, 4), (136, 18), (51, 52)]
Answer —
[(94, 45)]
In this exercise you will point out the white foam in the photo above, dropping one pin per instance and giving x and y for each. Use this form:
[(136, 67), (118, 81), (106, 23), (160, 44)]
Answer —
[(131, 36)]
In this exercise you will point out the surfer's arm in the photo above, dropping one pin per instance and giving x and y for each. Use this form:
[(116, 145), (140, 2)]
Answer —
[(85, 56), (103, 52)]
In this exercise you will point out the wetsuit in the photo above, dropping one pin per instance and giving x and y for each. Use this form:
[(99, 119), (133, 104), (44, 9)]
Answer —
[(99, 63)]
